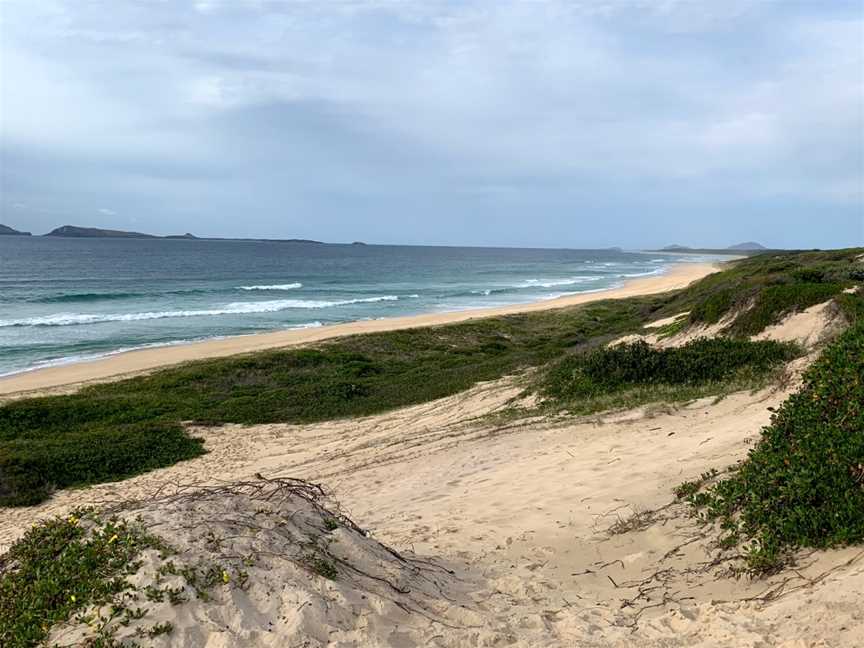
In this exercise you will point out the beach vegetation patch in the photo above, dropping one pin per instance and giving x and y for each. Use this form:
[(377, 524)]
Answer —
[(758, 291), (37, 459), (64, 566), (638, 373), (802, 485)]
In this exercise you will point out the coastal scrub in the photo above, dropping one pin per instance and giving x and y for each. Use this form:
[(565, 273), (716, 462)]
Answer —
[(803, 483)]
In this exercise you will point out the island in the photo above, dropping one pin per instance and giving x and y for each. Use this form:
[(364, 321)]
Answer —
[(74, 231), (748, 248), (5, 230)]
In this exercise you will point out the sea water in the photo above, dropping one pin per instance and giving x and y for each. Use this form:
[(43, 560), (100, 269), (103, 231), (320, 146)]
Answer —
[(67, 300)]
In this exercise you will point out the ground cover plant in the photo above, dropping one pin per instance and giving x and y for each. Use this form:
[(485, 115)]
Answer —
[(802, 485), (115, 430), (635, 373), (758, 291), (61, 567)]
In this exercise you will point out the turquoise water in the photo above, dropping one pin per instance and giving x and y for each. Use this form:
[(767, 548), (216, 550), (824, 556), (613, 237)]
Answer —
[(68, 300)]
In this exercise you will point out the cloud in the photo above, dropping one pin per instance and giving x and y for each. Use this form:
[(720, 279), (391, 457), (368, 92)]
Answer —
[(475, 108)]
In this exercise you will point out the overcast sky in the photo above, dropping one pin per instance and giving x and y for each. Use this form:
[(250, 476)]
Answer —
[(568, 124)]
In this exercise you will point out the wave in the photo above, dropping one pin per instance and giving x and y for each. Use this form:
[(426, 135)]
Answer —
[(552, 283), (85, 297), (650, 273), (110, 296), (288, 286), (87, 357), (235, 308)]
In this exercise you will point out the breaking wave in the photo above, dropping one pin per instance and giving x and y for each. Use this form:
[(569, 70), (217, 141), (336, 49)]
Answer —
[(235, 308)]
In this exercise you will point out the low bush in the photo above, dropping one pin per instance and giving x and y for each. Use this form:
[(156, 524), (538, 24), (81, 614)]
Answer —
[(760, 290), (32, 466), (626, 366)]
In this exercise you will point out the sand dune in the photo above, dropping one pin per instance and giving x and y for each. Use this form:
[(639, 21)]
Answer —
[(523, 513)]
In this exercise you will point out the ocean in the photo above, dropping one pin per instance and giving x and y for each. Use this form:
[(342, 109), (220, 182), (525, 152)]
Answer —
[(68, 300)]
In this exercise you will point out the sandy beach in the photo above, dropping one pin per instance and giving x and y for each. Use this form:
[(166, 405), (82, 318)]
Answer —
[(133, 362)]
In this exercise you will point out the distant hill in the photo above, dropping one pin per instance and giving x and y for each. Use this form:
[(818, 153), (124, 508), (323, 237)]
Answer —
[(5, 230), (749, 246), (72, 231)]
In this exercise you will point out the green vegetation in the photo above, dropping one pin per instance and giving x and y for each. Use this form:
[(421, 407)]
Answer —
[(803, 484), (638, 373), (774, 301), (673, 328), (63, 566), (40, 451), (760, 290), (112, 431)]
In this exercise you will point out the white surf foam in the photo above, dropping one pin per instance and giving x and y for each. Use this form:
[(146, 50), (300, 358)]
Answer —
[(90, 357), (288, 286), (235, 308)]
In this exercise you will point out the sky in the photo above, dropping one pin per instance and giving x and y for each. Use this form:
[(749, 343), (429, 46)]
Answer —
[(580, 123)]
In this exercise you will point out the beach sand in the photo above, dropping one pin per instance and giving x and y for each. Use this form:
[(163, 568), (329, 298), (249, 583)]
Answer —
[(133, 362)]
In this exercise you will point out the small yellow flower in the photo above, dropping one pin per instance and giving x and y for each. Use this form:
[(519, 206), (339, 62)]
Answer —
[(113, 538), (225, 577), (72, 598), (73, 519)]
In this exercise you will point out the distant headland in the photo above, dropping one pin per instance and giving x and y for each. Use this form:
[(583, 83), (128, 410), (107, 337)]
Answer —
[(5, 230), (747, 248), (74, 231)]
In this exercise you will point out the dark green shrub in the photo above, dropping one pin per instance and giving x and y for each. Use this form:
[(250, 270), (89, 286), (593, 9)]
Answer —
[(712, 309), (701, 361), (31, 467)]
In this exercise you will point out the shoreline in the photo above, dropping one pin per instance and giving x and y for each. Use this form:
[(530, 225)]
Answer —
[(133, 362)]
